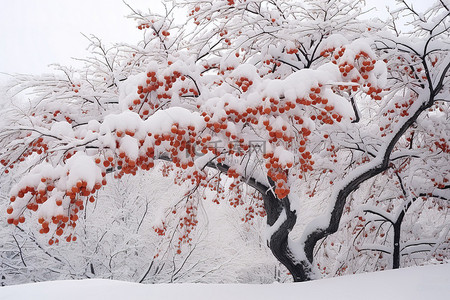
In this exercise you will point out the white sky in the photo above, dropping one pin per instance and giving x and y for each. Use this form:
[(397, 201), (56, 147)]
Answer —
[(37, 33)]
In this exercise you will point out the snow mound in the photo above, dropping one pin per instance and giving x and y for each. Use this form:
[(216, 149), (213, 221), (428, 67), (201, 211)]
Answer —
[(428, 282)]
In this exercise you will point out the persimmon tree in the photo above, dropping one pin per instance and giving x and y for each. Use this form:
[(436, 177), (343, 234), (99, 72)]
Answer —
[(288, 100)]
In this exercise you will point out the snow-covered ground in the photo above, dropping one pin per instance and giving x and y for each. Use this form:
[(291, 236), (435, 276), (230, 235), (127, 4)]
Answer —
[(429, 282)]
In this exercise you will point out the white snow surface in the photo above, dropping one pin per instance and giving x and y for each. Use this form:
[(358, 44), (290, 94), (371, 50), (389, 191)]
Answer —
[(428, 282)]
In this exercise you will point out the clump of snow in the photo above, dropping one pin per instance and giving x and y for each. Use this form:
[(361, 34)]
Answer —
[(284, 156), (333, 41), (62, 129), (130, 147), (128, 89), (81, 167), (246, 70)]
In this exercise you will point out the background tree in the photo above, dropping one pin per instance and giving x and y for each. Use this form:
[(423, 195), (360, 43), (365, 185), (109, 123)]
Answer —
[(115, 240), (293, 100)]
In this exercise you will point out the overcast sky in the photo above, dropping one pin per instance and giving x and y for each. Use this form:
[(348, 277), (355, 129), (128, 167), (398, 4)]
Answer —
[(37, 33)]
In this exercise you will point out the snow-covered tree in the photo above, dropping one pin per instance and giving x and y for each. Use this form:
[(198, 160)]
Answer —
[(291, 100)]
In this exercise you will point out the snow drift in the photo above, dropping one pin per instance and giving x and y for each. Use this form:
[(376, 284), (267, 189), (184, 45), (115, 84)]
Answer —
[(428, 282)]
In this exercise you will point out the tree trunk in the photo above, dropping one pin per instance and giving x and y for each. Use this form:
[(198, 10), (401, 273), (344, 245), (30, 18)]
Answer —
[(396, 254), (397, 232), (301, 270), (278, 210)]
